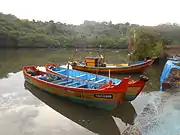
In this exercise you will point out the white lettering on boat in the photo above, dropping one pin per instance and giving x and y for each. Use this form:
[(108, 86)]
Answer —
[(107, 96)]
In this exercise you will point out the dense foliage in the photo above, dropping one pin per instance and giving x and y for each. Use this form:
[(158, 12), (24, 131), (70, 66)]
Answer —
[(147, 43), (23, 33)]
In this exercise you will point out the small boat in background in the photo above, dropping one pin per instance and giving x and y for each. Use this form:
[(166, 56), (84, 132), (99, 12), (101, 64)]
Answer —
[(170, 77), (97, 65), (130, 93)]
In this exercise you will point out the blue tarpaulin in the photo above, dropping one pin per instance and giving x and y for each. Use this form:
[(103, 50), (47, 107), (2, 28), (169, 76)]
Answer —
[(167, 68)]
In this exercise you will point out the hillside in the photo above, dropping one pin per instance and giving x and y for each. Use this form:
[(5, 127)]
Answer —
[(23, 33)]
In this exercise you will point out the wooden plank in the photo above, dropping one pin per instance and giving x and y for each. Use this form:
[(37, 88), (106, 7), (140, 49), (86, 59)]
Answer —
[(100, 80), (65, 82)]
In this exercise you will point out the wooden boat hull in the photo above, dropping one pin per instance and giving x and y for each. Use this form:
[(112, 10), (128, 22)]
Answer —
[(132, 93), (98, 98), (98, 104), (133, 88), (138, 68), (65, 108)]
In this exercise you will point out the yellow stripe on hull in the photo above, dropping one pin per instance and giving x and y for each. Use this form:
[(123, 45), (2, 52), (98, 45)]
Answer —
[(90, 69), (96, 96), (138, 68)]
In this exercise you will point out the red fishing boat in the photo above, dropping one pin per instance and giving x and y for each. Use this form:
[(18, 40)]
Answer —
[(103, 92), (133, 87)]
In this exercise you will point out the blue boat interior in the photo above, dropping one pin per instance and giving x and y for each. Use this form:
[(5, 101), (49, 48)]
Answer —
[(78, 79)]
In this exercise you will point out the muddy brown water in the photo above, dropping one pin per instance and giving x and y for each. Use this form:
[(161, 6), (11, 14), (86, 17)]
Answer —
[(25, 110)]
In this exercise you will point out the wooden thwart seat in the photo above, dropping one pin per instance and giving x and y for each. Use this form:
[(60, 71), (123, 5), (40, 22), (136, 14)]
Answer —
[(70, 84), (100, 80), (92, 79), (61, 71), (59, 80), (64, 82), (81, 75), (82, 85)]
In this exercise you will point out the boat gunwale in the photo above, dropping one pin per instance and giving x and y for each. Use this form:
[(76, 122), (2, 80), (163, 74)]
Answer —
[(106, 89), (131, 82), (141, 65)]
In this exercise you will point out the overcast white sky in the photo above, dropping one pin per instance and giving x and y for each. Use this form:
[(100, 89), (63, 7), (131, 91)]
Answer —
[(144, 12)]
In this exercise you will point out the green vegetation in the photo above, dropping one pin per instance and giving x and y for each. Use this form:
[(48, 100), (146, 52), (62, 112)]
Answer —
[(23, 33), (147, 43)]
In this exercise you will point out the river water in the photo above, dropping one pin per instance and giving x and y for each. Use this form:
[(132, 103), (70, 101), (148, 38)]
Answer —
[(25, 110)]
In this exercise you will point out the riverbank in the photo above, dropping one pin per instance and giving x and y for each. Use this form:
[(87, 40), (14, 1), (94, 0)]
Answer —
[(172, 50), (85, 47), (103, 51), (169, 50)]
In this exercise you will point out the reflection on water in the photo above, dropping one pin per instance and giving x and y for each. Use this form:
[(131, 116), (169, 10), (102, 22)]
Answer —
[(23, 112), (96, 120), (14, 60)]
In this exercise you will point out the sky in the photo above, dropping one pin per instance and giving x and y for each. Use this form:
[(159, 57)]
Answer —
[(143, 12)]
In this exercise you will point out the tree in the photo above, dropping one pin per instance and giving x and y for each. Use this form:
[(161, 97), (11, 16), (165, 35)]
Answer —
[(147, 43), (16, 32)]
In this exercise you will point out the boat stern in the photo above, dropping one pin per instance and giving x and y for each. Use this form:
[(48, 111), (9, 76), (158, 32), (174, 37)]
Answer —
[(131, 94)]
